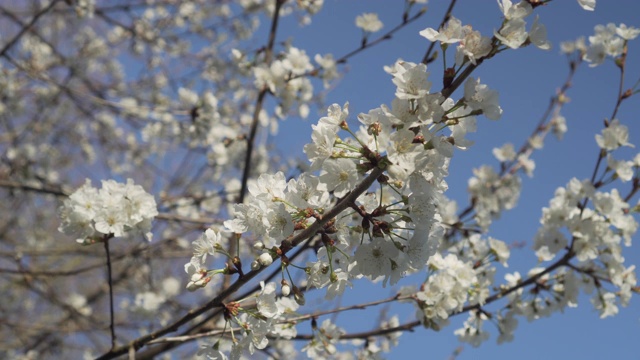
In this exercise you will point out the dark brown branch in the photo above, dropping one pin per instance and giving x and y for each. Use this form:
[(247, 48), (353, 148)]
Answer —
[(110, 283)]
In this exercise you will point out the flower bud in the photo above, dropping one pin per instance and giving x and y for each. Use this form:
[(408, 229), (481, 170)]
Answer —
[(298, 296), (286, 289), (255, 265), (198, 280), (265, 259), (333, 277)]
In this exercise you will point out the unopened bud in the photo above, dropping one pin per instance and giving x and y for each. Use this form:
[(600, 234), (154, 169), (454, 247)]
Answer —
[(255, 265), (298, 296), (198, 280), (333, 277), (265, 259)]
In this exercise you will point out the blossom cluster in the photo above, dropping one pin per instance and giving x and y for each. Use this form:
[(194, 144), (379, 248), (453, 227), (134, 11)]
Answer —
[(447, 290), (405, 139), (115, 210), (608, 41), (386, 233), (589, 238), (284, 78), (473, 46)]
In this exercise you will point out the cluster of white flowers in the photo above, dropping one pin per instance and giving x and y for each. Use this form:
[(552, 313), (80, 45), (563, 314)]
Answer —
[(407, 141), (590, 230), (608, 41), (116, 209), (274, 204), (203, 127), (394, 232), (283, 77), (268, 319), (322, 345), (446, 290), (473, 332), (593, 235), (492, 194), (85, 8), (473, 46)]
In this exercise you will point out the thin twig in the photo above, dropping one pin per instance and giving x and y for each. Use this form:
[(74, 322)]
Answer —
[(28, 26), (111, 317)]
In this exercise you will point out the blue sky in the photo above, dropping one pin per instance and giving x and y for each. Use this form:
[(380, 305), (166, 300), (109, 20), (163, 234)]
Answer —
[(526, 80)]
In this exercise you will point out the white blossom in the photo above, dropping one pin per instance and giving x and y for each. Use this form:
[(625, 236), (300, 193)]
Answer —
[(449, 34), (369, 22), (513, 34), (613, 136), (266, 300), (588, 5)]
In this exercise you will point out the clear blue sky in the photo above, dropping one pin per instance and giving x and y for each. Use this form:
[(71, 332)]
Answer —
[(526, 79)]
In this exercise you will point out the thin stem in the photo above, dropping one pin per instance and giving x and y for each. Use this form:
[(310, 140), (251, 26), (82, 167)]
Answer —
[(447, 15), (110, 282), (369, 44)]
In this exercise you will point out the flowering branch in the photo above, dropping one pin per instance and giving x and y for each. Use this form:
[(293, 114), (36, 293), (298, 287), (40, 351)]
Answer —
[(217, 301)]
